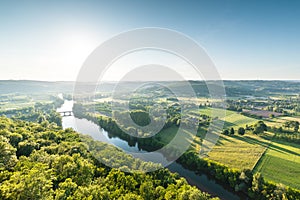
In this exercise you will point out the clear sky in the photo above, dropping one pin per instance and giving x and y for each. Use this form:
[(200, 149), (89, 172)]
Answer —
[(49, 40)]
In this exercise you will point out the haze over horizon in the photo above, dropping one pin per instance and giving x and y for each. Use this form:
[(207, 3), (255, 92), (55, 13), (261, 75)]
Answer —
[(247, 40)]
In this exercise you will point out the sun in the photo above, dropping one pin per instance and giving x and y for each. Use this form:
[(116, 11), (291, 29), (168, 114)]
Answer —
[(76, 46)]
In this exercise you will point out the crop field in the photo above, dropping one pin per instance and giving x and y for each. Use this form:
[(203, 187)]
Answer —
[(293, 118), (240, 152), (277, 121), (281, 163), (232, 118)]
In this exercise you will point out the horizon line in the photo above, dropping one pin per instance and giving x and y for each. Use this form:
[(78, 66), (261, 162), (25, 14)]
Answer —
[(71, 81)]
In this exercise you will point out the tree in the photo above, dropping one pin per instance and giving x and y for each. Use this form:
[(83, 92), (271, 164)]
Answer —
[(231, 131), (259, 127), (15, 138), (7, 154), (296, 126), (226, 132), (241, 131), (65, 189), (257, 187), (26, 147), (147, 190)]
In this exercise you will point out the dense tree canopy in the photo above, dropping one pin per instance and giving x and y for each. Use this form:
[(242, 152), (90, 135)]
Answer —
[(42, 161)]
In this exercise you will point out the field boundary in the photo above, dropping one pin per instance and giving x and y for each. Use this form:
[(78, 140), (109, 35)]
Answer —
[(261, 157)]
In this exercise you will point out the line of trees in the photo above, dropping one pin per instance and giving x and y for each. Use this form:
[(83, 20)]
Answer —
[(258, 128), (288, 137)]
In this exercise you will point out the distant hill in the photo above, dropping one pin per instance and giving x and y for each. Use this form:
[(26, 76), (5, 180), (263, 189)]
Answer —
[(31, 87), (233, 88)]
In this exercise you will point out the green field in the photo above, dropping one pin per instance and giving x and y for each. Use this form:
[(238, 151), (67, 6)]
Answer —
[(240, 152), (232, 118), (281, 163), (185, 138)]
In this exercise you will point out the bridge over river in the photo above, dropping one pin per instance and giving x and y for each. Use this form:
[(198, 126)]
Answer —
[(66, 113)]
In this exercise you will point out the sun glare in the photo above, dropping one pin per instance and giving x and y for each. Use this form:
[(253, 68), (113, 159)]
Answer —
[(77, 46)]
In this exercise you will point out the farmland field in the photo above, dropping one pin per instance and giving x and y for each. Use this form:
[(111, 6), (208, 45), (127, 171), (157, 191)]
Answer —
[(277, 121), (280, 163), (232, 119), (293, 118), (240, 152), (262, 113)]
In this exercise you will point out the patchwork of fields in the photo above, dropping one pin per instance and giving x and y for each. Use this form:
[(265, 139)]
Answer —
[(277, 161)]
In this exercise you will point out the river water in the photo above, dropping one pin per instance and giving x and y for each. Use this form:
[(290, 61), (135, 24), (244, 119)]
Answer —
[(87, 127)]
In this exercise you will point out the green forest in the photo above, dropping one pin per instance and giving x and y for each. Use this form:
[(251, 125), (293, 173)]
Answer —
[(42, 161)]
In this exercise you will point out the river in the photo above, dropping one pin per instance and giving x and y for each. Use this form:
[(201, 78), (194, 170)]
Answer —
[(87, 127)]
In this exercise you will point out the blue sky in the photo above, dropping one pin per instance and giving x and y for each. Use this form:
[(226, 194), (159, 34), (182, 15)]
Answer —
[(49, 40)]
